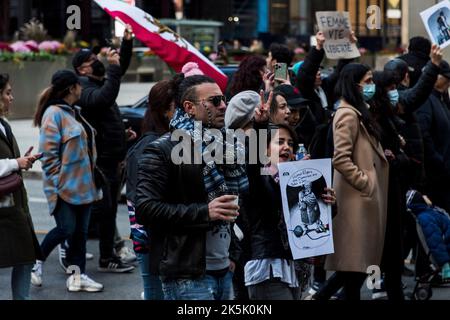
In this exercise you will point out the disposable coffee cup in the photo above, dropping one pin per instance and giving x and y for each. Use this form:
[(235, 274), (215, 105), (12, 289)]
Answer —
[(236, 201)]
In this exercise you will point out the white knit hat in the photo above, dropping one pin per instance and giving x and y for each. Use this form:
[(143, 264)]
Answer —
[(241, 109)]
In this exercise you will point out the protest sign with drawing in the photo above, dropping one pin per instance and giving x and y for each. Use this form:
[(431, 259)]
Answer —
[(336, 27), (308, 218), (437, 22)]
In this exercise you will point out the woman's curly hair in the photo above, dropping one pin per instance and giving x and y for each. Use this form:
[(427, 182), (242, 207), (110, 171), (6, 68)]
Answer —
[(248, 76)]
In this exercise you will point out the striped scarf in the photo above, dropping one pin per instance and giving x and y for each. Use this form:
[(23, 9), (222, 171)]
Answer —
[(219, 179)]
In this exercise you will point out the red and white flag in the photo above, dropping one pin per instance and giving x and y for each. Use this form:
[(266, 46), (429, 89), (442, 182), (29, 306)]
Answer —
[(164, 42)]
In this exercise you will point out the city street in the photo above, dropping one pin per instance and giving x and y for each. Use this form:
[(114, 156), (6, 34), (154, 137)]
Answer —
[(117, 286)]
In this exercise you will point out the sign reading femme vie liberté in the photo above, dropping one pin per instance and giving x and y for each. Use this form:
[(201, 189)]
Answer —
[(336, 27)]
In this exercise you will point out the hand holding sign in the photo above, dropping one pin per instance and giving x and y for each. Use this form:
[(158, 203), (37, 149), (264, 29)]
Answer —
[(320, 39), (336, 28), (436, 55)]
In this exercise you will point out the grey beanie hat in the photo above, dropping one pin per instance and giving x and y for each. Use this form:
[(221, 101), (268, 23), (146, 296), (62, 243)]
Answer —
[(241, 109)]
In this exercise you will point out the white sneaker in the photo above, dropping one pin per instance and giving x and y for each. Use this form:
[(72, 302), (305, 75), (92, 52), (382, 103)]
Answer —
[(36, 274), (89, 256), (84, 283), (126, 255)]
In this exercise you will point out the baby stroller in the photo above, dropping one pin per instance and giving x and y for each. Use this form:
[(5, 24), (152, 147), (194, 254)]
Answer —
[(416, 206)]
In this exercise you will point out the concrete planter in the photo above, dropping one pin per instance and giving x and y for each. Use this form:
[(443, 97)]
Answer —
[(28, 79)]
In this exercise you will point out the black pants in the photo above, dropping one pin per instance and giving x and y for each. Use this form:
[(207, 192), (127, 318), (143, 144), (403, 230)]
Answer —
[(105, 210), (350, 281), (392, 263)]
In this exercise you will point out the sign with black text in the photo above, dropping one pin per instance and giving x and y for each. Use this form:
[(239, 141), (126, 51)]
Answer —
[(336, 27)]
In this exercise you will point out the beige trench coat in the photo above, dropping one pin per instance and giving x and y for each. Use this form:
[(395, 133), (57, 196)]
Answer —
[(361, 174)]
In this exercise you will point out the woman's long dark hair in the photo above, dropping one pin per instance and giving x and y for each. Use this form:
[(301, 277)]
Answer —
[(381, 103), (4, 80), (160, 99), (47, 95), (348, 89), (248, 76)]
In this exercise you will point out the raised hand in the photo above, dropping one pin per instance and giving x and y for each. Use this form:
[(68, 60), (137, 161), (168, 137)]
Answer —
[(320, 38), (436, 55), (262, 111)]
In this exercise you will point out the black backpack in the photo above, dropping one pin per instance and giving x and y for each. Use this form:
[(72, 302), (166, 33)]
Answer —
[(322, 146)]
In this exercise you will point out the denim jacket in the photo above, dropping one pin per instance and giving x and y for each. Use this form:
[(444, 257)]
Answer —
[(67, 162)]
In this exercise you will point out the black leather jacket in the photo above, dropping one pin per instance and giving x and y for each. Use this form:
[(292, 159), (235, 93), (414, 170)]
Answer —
[(171, 202)]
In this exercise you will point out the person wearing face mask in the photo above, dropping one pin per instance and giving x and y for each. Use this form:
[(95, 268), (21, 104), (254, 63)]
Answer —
[(67, 143), (101, 87), (384, 108), (360, 181)]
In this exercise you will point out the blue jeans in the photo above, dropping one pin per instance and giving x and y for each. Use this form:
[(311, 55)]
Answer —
[(20, 282), (72, 222), (206, 288), (152, 283)]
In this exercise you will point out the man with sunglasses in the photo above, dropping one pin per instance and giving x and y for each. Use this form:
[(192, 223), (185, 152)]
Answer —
[(101, 87), (189, 206)]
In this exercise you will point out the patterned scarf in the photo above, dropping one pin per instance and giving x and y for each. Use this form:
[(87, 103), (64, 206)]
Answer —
[(219, 179)]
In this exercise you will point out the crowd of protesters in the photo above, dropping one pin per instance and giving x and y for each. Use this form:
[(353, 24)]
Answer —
[(215, 230)]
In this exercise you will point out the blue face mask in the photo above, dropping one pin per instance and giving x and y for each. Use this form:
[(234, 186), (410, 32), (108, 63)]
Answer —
[(394, 97), (369, 91)]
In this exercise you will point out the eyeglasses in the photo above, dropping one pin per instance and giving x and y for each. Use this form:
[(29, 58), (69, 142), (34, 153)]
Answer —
[(217, 100)]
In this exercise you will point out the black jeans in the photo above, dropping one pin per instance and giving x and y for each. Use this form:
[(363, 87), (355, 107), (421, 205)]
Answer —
[(71, 224), (350, 281), (105, 210)]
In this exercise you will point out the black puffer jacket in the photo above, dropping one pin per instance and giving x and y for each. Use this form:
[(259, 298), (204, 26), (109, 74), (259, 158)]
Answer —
[(306, 78), (98, 106), (412, 98), (172, 202), (414, 148), (434, 119)]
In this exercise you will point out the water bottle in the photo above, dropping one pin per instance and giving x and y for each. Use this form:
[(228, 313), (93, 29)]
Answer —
[(301, 152)]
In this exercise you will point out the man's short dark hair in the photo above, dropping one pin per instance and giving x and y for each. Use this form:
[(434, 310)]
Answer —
[(185, 87), (420, 44), (281, 53)]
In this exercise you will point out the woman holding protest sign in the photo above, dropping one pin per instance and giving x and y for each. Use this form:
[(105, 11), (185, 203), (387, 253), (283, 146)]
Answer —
[(271, 273)]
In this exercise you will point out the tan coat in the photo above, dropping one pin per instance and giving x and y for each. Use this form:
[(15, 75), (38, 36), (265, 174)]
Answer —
[(361, 174)]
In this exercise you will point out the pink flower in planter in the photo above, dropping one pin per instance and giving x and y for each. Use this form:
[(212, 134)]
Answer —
[(20, 47), (50, 46), (5, 47), (33, 45)]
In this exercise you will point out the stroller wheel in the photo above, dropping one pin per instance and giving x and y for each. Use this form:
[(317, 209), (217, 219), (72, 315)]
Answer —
[(423, 293)]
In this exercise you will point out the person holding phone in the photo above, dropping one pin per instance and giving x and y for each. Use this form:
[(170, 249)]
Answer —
[(19, 247), (101, 87), (67, 142)]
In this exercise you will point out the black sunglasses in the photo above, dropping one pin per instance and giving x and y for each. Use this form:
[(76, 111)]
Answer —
[(217, 100)]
